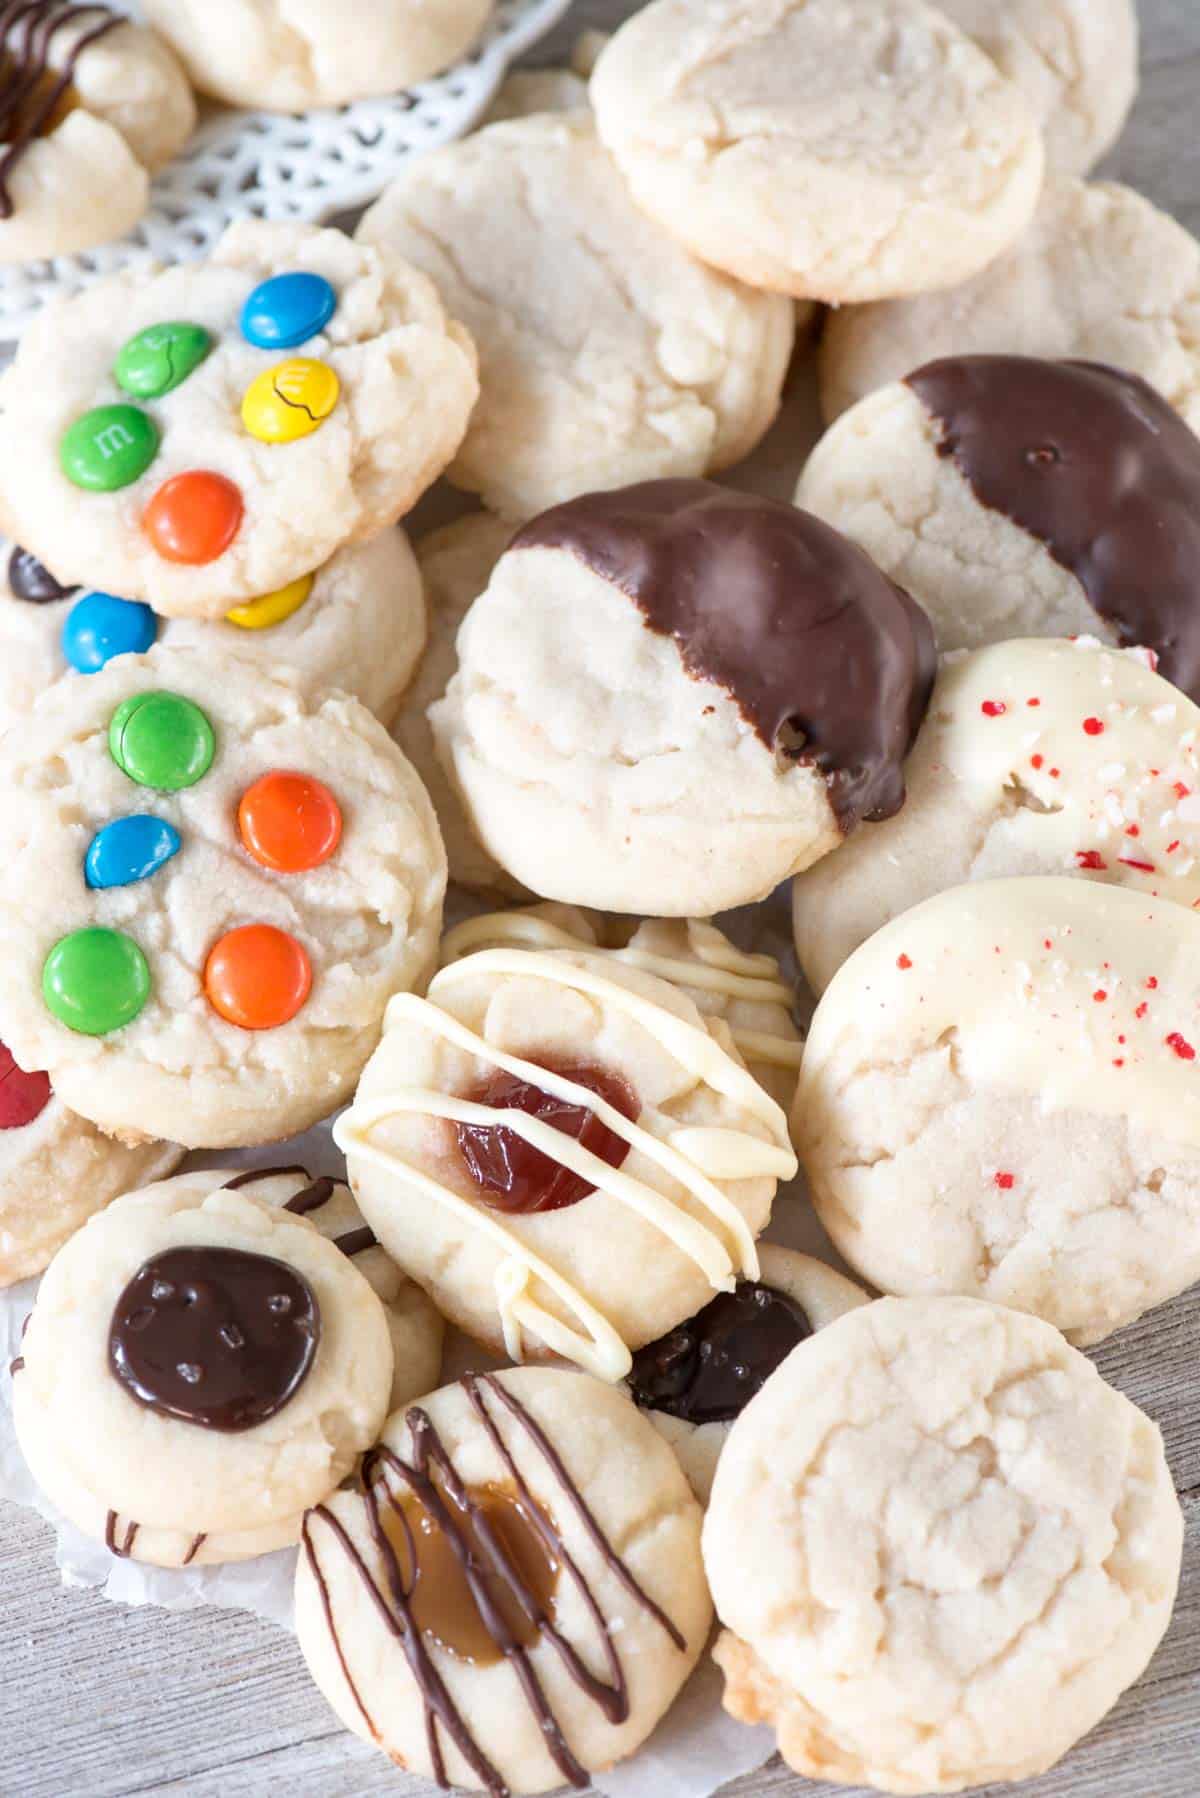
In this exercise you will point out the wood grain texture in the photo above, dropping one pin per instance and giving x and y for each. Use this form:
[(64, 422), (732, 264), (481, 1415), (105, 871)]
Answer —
[(99, 1702)]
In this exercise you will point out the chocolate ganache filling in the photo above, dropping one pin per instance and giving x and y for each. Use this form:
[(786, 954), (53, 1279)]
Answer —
[(709, 1369), (1101, 470), (215, 1336), (827, 660)]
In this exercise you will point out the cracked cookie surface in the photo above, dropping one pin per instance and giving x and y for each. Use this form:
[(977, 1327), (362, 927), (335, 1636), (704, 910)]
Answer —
[(941, 1546)]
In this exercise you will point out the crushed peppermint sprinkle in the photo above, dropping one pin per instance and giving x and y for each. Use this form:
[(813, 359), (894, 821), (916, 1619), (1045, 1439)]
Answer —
[(1127, 861), (1119, 1061), (1142, 1009), (1033, 702), (1090, 858), (1182, 791), (1152, 983), (993, 708), (1054, 773), (1172, 847), (1093, 727), (1037, 761), (1181, 1046), (1099, 995), (1005, 1181), (1133, 830), (904, 962)]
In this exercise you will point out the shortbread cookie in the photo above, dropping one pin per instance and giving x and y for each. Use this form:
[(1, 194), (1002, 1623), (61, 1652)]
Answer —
[(456, 564), (942, 1548), (56, 1170), (414, 1324), (1018, 498), (998, 1098), (635, 1164), (1075, 61), (775, 465), (697, 1380), (557, 1603), (746, 993), (218, 429), (608, 354), (211, 881), (92, 106), (199, 1368), (837, 150), (528, 91), (1036, 757), (671, 697), (357, 624), (290, 55), (1101, 273)]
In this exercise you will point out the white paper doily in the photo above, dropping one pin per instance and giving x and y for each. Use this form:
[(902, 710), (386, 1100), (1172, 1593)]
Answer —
[(306, 167)]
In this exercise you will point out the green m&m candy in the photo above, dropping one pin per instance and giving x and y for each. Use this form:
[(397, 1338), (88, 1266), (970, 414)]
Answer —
[(161, 740), (160, 358), (95, 981), (108, 448)]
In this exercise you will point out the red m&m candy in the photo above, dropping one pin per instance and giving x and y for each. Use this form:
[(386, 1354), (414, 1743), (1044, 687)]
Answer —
[(289, 822), (194, 517), (23, 1097), (257, 977)]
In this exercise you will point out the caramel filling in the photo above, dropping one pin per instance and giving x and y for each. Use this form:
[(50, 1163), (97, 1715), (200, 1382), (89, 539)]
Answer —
[(17, 123), (511, 1562)]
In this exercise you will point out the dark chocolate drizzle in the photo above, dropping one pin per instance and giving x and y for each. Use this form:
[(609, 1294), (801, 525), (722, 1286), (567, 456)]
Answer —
[(215, 1336), (253, 1174), (124, 1549), (392, 1601), (709, 1369), (830, 662), (1101, 470), (30, 91), (309, 1198), (32, 581), (356, 1242), (16, 1364), (197, 1544)]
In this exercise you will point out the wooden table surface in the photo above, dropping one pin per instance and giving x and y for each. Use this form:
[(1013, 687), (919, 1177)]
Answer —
[(101, 1702)]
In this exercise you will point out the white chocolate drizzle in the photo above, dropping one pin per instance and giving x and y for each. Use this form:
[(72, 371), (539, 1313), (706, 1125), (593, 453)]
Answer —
[(694, 1156)]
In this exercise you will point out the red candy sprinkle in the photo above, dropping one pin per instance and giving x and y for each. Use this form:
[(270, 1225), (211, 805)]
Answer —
[(1099, 995), (1054, 773), (1127, 861), (1172, 847), (1037, 761), (993, 708), (1181, 1046), (1033, 702), (1090, 858), (23, 1096), (1133, 830), (1152, 983), (1006, 1182), (903, 962), (1093, 727), (1182, 792), (1142, 1009)]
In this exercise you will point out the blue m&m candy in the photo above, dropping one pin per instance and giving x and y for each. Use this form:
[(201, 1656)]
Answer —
[(130, 849), (287, 310), (100, 626)]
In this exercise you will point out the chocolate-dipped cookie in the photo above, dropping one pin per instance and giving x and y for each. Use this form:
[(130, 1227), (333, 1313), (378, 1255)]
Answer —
[(671, 696)]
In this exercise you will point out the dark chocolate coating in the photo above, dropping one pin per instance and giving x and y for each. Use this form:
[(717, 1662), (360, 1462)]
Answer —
[(30, 90), (1101, 470), (709, 1369), (830, 662), (215, 1336), (31, 580)]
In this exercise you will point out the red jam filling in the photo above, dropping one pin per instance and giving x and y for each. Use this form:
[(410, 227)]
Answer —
[(515, 1177), (23, 1097)]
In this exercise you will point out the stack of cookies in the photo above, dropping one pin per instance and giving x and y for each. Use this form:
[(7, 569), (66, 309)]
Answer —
[(949, 694)]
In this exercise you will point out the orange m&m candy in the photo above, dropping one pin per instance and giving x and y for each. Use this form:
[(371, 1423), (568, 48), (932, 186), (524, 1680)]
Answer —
[(257, 977), (194, 517), (289, 822)]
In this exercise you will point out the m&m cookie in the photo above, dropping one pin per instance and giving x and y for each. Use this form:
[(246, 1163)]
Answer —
[(357, 623), (216, 432), (213, 880)]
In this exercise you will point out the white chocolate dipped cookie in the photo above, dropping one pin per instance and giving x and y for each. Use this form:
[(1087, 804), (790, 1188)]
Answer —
[(561, 1153), (1075, 62), (746, 993), (93, 105), (608, 354), (357, 624), (57, 1170), (1100, 273), (941, 1547), (1015, 497), (216, 430), (998, 1098), (456, 564), (212, 881), (199, 1368), (290, 55), (670, 697), (1036, 757), (695, 1382), (913, 169), (511, 1594)]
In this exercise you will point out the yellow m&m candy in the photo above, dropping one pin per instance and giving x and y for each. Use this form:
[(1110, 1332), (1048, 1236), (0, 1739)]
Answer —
[(272, 608), (291, 400)]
